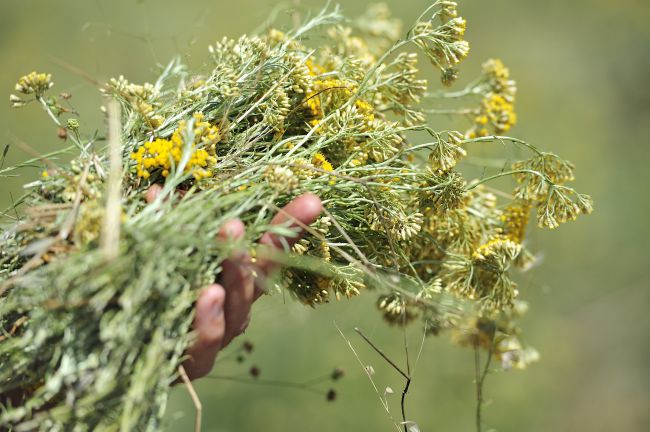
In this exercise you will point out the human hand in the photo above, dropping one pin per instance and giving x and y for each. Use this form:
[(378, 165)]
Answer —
[(223, 309)]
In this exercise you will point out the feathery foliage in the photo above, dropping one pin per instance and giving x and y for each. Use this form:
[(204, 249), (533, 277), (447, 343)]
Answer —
[(96, 294)]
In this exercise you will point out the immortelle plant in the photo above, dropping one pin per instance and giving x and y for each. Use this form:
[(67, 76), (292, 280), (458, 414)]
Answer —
[(97, 287)]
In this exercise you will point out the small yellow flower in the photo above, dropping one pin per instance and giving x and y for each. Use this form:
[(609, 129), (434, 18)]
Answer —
[(314, 69), (366, 109), (318, 159), (326, 166), (515, 219), (321, 162)]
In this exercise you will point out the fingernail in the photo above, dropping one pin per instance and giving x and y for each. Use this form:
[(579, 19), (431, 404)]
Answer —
[(216, 310), (233, 229), (152, 193)]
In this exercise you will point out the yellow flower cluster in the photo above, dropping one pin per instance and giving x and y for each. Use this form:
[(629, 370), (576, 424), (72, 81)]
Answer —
[(148, 113), (321, 87), (314, 68), (33, 82), (320, 161), (515, 219), (497, 111), (162, 154), (142, 98), (366, 109), (487, 275), (443, 44), (329, 94), (498, 247), (457, 27), (498, 78)]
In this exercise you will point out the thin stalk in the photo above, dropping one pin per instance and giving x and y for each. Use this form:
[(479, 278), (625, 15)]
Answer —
[(480, 380), (491, 138), (274, 383), (406, 376), (462, 111), (505, 174)]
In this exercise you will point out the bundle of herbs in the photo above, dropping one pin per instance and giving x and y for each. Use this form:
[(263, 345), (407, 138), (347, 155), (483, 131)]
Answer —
[(97, 285)]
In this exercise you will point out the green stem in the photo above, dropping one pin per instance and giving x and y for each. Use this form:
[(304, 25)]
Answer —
[(491, 138), (480, 380), (55, 119), (507, 173), (463, 111), (47, 109)]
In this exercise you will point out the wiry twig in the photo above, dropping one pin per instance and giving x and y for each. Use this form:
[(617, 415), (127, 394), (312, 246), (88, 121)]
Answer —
[(75, 70), (384, 403), (381, 353), (406, 375), (4, 155)]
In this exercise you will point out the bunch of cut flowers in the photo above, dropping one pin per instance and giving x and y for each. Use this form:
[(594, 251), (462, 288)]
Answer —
[(97, 285)]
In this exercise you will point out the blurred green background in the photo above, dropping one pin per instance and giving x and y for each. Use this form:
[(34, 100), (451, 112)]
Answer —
[(583, 71)]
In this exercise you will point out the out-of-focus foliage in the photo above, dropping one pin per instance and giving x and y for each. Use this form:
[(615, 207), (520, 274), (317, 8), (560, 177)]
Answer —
[(584, 72)]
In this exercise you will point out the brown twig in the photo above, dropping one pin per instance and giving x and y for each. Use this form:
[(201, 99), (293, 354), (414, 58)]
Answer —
[(406, 376)]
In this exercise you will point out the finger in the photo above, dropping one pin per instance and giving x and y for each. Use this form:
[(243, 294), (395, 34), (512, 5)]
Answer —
[(210, 327), (302, 211), (232, 230), (237, 278), (152, 193)]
